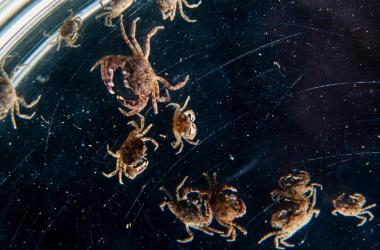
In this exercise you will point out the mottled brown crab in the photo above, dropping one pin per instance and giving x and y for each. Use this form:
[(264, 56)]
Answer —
[(168, 9), (9, 101), (226, 205), (183, 125), (190, 213), (69, 31), (115, 10), (292, 219), (138, 74), (353, 206), (293, 184), (130, 157)]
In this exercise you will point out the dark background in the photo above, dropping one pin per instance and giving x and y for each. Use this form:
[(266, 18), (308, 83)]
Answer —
[(276, 85)]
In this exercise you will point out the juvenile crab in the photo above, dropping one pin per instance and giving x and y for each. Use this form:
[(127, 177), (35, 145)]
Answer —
[(9, 101), (226, 206), (183, 125), (138, 74), (190, 213), (130, 157), (168, 9), (291, 220), (69, 31), (292, 184), (353, 206), (115, 10)]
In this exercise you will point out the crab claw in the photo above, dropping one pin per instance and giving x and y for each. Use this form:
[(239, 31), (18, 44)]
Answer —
[(108, 65)]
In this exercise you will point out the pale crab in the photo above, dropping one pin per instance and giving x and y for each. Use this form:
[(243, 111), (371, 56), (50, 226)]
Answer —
[(138, 74), (130, 157), (353, 206), (69, 31), (183, 125), (194, 214), (292, 219), (9, 101), (294, 183), (168, 9), (115, 10), (226, 205)]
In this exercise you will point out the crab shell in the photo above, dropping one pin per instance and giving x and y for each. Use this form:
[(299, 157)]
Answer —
[(139, 76), (167, 7), (227, 206), (184, 127), (7, 96), (190, 214), (132, 150), (118, 7)]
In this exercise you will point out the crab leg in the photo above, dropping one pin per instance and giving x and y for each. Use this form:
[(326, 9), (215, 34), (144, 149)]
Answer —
[(170, 86), (147, 40), (190, 236)]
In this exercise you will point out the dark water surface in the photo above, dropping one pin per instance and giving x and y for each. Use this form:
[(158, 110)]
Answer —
[(276, 85)]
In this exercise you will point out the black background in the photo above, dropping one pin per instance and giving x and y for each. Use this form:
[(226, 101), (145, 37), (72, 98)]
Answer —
[(276, 85)]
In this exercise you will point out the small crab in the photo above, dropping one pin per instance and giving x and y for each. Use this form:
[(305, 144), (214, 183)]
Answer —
[(130, 157), (353, 206), (225, 206), (69, 31), (168, 9), (183, 125), (294, 183), (115, 10), (9, 101), (291, 220), (190, 213), (138, 74)]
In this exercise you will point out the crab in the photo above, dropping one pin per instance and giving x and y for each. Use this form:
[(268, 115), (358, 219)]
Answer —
[(190, 213), (9, 101), (292, 219), (353, 206), (130, 157), (138, 74), (168, 9), (226, 205), (69, 31), (292, 184), (115, 10), (183, 125)]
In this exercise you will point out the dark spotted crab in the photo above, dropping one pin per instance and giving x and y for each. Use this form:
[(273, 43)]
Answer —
[(138, 74), (130, 157), (194, 214), (9, 101)]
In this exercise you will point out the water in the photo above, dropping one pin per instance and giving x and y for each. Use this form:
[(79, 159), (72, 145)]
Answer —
[(275, 85)]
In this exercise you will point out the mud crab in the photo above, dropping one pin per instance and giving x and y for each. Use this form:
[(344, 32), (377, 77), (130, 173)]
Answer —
[(168, 9), (353, 206), (115, 10), (138, 74), (190, 213), (9, 101), (130, 157), (183, 125)]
